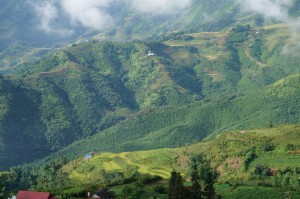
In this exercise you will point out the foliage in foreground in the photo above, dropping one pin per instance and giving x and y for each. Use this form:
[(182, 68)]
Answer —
[(263, 158)]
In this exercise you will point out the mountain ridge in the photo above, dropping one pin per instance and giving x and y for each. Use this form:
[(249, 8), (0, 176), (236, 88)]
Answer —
[(74, 92), (189, 124), (89, 87), (129, 25)]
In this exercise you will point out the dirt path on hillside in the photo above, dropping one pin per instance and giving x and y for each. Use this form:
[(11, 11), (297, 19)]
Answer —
[(254, 60)]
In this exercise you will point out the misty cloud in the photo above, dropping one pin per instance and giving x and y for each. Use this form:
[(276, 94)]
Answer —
[(47, 13), (278, 10), (161, 7), (94, 14), (88, 13), (72, 13), (274, 9)]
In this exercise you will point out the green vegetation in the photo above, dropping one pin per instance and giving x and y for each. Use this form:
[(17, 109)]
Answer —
[(120, 99), (177, 126), (241, 160), (250, 192), (23, 40), (162, 117)]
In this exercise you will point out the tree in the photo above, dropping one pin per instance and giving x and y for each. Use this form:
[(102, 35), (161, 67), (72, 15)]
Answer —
[(2, 191), (286, 180), (176, 188), (270, 124), (209, 189), (295, 182), (200, 170), (133, 191), (63, 161), (195, 178)]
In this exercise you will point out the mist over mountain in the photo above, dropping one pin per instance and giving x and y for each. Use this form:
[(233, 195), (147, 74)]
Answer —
[(43, 22), (118, 93)]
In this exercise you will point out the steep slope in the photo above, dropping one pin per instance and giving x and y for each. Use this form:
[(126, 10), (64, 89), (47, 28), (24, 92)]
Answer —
[(19, 17), (229, 145), (21, 131), (247, 163), (171, 127), (91, 86), (79, 91), (21, 25)]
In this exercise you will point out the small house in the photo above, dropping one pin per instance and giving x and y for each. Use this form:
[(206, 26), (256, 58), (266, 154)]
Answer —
[(34, 195), (89, 155), (103, 194), (150, 53)]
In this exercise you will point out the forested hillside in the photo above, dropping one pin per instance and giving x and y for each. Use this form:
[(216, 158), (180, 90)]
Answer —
[(260, 162), (27, 32), (150, 99), (171, 127), (90, 87)]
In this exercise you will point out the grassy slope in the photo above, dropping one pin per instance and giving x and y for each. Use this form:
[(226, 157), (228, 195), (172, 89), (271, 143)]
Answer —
[(250, 192), (220, 151), (16, 55), (156, 162), (256, 57)]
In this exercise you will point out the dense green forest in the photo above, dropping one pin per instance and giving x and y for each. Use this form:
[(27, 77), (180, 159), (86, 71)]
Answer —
[(197, 99), (193, 85), (171, 127)]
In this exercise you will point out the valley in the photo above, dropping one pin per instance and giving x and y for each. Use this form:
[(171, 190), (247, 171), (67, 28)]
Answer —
[(119, 80), (198, 99)]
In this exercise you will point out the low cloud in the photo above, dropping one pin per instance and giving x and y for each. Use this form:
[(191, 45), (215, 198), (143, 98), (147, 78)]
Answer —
[(161, 7), (94, 14), (273, 9), (47, 13), (278, 10), (90, 14)]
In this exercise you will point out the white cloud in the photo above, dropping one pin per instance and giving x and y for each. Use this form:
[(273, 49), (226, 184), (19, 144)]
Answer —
[(278, 10), (93, 14), (274, 9), (47, 13), (88, 13), (161, 7)]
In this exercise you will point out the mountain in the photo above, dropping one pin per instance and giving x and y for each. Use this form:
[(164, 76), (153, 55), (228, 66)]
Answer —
[(21, 22), (87, 88), (78, 91), (119, 94), (29, 28), (171, 127)]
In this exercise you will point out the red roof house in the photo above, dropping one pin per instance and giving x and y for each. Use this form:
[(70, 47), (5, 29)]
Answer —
[(34, 195)]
